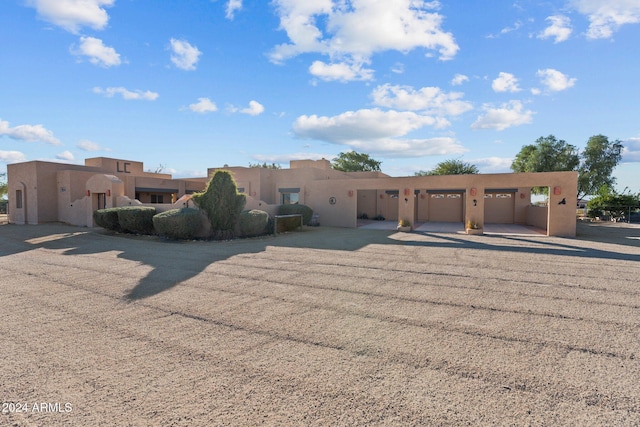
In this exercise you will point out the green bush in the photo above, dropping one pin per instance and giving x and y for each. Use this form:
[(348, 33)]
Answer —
[(136, 219), (253, 222), (177, 223), (107, 218), (306, 211), (222, 203)]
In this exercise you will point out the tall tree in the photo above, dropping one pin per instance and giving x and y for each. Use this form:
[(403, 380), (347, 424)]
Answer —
[(548, 154), (265, 165), (4, 187), (599, 158), (594, 164), (451, 167), (355, 162)]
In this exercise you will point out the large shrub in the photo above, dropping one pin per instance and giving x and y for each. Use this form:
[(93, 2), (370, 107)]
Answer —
[(136, 219), (177, 223), (222, 203), (253, 222), (107, 218), (304, 210)]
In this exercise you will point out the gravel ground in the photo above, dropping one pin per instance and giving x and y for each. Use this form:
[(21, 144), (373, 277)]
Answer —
[(320, 327)]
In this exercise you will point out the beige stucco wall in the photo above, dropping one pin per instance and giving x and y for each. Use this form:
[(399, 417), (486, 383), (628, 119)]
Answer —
[(332, 194)]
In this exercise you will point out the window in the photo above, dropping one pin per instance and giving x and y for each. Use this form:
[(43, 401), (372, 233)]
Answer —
[(290, 195), (290, 198), (18, 199), (157, 198)]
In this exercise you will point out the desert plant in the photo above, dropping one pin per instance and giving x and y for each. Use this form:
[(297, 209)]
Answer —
[(222, 203), (177, 223), (107, 218), (404, 223), (253, 222), (303, 210), (473, 225), (136, 219)]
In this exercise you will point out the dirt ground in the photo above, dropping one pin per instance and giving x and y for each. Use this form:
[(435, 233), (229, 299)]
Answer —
[(320, 327)]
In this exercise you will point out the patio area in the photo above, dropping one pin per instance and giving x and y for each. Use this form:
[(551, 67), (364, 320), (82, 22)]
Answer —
[(454, 227)]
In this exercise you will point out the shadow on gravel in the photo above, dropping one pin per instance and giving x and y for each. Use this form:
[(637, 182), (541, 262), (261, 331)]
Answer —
[(174, 262)]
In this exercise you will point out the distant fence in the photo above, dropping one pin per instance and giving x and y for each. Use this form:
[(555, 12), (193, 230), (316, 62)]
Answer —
[(4, 207), (615, 213)]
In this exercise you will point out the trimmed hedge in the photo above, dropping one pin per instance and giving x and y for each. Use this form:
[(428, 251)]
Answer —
[(177, 223), (136, 219), (107, 218), (305, 210), (253, 222)]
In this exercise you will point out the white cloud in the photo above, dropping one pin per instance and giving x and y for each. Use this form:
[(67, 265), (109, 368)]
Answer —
[(343, 72), (397, 68), (508, 115), (73, 14), (110, 92), (493, 164), (28, 133), (459, 79), (86, 145), (12, 157), (373, 130), (254, 109), (505, 82), (284, 159), (607, 16), (429, 100), (631, 150), (184, 56), (351, 31), (98, 53), (554, 80), (232, 7), (560, 29), (204, 105), (65, 155)]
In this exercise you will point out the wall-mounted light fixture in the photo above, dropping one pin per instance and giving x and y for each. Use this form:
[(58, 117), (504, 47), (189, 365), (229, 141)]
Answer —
[(475, 202), (563, 201)]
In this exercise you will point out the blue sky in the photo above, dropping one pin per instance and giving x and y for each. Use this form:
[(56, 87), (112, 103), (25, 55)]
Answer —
[(197, 84)]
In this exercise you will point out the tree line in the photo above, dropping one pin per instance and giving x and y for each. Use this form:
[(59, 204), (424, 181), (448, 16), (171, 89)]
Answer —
[(594, 164)]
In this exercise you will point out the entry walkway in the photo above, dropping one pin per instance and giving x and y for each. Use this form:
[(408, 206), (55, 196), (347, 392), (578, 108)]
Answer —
[(454, 227)]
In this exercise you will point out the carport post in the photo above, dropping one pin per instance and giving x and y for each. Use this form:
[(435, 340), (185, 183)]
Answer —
[(406, 205)]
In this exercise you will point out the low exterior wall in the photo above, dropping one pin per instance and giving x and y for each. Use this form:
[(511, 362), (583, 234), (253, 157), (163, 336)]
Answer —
[(537, 216)]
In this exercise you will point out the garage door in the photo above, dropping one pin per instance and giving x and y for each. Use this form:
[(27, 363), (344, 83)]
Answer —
[(499, 207), (445, 206)]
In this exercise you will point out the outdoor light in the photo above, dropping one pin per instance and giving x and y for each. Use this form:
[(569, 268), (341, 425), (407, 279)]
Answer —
[(475, 202)]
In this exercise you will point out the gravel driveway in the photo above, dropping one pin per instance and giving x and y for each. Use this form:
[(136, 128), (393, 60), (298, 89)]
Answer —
[(320, 327)]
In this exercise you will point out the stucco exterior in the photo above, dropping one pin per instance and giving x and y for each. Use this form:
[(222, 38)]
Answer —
[(70, 193)]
